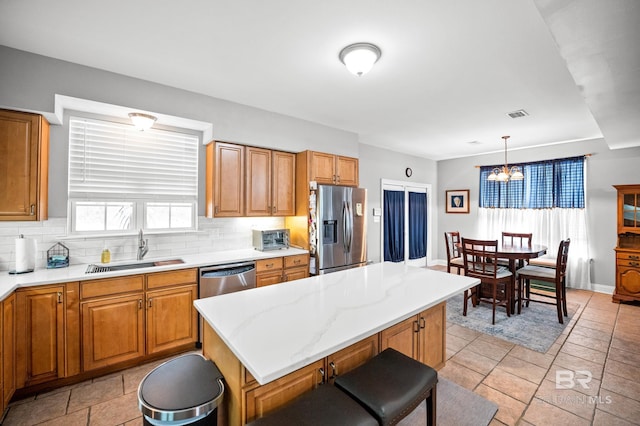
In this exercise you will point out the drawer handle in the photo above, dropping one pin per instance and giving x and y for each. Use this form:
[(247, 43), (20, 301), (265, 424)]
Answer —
[(150, 302), (416, 327), (269, 265), (422, 322), (296, 262), (334, 370), (632, 257), (636, 264), (321, 371)]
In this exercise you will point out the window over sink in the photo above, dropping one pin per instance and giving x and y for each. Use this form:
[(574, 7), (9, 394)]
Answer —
[(122, 179)]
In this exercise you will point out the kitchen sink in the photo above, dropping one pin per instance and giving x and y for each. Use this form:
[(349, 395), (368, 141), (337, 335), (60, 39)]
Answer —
[(93, 268)]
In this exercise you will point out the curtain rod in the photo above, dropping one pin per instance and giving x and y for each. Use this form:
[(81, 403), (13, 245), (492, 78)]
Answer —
[(573, 156)]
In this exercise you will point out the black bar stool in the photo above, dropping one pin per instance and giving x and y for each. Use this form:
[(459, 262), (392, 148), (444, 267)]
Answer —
[(323, 406), (391, 385)]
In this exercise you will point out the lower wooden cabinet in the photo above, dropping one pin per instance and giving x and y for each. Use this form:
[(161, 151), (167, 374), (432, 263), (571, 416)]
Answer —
[(40, 335), (281, 269), (627, 275), (8, 351), (172, 321), (112, 330), (421, 337)]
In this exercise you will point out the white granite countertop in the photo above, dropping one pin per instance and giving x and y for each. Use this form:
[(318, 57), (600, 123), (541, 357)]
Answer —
[(9, 283), (278, 329)]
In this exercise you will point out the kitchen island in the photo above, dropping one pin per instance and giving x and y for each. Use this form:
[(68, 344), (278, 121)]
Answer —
[(274, 343)]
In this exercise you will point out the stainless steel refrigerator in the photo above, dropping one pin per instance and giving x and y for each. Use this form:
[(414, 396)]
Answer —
[(338, 228)]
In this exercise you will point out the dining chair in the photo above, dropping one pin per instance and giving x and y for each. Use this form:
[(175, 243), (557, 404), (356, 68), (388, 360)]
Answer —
[(555, 276), (454, 259), (515, 239), (480, 257)]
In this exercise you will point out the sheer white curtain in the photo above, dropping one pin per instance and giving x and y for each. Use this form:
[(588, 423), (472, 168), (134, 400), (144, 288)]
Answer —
[(549, 227)]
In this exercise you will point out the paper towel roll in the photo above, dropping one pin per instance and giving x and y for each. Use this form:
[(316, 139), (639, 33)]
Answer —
[(25, 254)]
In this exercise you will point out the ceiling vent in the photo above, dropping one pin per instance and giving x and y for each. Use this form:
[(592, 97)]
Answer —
[(517, 114)]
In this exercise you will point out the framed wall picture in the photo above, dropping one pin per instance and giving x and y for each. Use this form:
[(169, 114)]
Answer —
[(457, 201)]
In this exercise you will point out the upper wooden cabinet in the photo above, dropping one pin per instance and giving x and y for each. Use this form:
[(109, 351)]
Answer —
[(224, 185), (330, 169), (270, 182), (628, 208), (24, 169)]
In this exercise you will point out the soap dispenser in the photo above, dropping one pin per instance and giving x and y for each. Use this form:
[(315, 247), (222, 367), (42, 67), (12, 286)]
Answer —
[(106, 256)]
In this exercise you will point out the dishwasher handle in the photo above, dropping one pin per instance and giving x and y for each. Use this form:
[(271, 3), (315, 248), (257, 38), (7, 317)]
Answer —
[(227, 269)]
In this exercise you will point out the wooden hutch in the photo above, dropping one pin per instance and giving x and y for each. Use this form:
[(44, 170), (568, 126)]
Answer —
[(628, 248)]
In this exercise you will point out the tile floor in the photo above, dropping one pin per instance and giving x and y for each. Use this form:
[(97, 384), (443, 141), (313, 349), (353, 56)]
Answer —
[(602, 339)]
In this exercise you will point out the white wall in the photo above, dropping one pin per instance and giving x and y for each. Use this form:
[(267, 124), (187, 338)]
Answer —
[(604, 169), (377, 164)]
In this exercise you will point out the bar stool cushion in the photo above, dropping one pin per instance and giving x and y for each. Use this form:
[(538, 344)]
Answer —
[(323, 406), (390, 385)]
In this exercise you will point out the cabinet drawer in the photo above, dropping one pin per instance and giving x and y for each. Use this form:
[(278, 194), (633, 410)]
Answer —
[(296, 260), (163, 279), (109, 286), (628, 256), (629, 263), (269, 264)]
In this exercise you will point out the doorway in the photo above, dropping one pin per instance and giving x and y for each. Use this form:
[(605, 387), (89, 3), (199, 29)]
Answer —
[(406, 222)]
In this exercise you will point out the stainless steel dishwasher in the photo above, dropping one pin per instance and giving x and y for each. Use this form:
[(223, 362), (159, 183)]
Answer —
[(223, 279)]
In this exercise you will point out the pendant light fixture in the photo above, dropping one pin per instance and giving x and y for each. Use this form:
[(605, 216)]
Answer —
[(505, 173), (360, 57), (142, 121)]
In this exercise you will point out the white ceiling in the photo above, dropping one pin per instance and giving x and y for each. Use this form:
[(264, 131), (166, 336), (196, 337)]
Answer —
[(450, 70)]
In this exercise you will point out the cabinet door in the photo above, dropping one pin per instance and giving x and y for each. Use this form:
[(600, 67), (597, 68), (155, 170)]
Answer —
[(432, 349), (172, 321), (24, 149), (258, 191), (628, 281), (323, 168), (112, 330), (8, 349), (347, 171), (225, 180), (402, 337), (283, 187), (268, 278), (40, 353), (351, 357), (292, 274), (264, 399)]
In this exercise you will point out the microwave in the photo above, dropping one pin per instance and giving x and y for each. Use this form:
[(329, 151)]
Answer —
[(270, 239)]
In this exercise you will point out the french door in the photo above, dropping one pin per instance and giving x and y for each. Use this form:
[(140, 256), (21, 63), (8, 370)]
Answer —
[(406, 222)]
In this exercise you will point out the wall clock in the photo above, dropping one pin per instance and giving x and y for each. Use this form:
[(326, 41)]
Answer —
[(408, 172)]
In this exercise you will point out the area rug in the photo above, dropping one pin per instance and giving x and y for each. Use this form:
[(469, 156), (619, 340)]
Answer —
[(536, 328), (455, 406)]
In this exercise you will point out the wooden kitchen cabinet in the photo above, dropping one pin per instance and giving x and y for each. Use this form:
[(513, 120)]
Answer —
[(421, 337), (40, 335), (329, 169), (270, 189), (224, 180), (351, 357), (269, 271), (8, 351), (24, 169), (172, 320), (296, 267), (628, 249), (262, 400), (112, 315)]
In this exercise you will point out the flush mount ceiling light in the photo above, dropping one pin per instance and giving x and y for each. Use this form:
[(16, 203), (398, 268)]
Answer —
[(360, 57), (142, 121), (505, 174)]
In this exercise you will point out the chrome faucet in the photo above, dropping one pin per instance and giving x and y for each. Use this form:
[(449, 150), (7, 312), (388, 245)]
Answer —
[(143, 245)]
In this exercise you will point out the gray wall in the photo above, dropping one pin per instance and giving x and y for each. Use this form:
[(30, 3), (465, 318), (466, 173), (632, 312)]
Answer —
[(604, 168), (29, 82), (376, 164)]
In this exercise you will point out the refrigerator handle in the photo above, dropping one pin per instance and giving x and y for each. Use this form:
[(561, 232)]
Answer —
[(344, 227), (349, 223)]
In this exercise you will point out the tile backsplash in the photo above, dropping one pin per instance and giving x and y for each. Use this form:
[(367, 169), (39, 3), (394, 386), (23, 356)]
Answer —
[(217, 234)]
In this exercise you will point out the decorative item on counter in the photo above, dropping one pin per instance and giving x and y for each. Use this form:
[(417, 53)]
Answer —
[(105, 257), (25, 255), (57, 256)]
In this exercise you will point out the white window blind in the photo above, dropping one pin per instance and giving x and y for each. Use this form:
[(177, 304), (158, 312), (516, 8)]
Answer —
[(115, 161)]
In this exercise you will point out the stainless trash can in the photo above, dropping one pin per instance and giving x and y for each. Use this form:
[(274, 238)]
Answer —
[(183, 391)]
